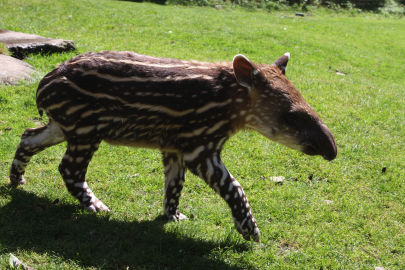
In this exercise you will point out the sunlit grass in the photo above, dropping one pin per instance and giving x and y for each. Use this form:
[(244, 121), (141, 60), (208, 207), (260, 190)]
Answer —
[(343, 214)]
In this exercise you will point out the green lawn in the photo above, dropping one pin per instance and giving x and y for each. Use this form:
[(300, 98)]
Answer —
[(344, 214)]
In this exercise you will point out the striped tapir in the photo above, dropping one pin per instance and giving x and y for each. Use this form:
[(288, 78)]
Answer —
[(186, 109)]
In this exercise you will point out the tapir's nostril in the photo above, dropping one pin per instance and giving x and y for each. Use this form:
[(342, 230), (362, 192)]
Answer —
[(334, 151)]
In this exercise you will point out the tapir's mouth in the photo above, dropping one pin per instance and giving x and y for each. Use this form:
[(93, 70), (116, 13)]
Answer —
[(329, 157), (309, 149), (312, 150)]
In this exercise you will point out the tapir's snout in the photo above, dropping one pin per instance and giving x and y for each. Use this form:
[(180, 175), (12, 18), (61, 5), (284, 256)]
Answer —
[(320, 141), (327, 145)]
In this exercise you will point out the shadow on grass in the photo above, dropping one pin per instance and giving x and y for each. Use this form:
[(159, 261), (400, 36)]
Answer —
[(28, 222)]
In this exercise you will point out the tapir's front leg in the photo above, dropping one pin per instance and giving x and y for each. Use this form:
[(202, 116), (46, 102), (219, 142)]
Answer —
[(73, 168), (214, 172), (174, 180)]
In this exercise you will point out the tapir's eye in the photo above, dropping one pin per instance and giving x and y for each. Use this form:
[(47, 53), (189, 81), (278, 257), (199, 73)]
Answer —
[(293, 119), (289, 119)]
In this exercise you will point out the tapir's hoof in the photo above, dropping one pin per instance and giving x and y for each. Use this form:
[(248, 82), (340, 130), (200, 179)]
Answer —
[(248, 229), (177, 217), (16, 180), (255, 235), (97, 206)]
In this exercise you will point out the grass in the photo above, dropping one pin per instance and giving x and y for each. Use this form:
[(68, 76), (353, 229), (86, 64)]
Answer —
[(345, 214), (3, 49)]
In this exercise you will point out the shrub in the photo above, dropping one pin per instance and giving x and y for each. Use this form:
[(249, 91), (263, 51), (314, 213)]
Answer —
[(392, 7), (368, 4), (373, 5)]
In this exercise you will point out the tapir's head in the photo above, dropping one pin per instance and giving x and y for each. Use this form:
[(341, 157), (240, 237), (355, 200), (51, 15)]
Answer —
[(278, 110)]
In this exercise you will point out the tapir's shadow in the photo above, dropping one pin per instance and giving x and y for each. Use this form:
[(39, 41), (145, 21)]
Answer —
[(36, 224)]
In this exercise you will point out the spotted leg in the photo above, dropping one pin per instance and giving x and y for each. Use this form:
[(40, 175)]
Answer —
[(174, 180), (73, 168), (213, 171), (33, 141)]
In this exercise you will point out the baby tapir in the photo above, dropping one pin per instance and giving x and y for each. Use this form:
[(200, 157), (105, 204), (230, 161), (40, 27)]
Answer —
[(186, 109)]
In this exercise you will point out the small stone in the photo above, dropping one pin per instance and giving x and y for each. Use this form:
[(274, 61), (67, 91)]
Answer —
[(340, 73), (379, 268), (277, 179), (328, 201), (15, 263)]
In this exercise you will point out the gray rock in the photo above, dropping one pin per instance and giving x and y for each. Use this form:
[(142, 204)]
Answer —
[(21, 44), (12, 70)]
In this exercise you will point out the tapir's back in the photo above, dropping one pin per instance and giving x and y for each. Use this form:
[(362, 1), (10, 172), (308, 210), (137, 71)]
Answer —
[(135, 99)]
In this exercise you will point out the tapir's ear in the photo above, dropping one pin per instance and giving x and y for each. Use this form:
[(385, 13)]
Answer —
[(244, 70), (281, 63)]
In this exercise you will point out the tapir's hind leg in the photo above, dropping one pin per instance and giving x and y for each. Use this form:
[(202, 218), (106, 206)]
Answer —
[(33, 141), (174, 179), (73, 168)]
